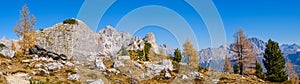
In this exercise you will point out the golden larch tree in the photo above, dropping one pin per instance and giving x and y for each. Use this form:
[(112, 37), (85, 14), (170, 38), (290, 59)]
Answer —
[(243, 51), (13, 46), (25, 29), (227, 65), (191, 53), (291, 72)]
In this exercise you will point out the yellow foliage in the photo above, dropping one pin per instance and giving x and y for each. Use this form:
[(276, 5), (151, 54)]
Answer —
[(25, 30), (191, 53)]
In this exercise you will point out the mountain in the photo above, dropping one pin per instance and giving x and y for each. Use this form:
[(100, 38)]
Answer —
[(290, 49), (78, 41)]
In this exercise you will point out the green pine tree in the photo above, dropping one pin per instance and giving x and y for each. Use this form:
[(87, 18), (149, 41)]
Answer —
[(258, 70), (274, 63), (147, 51), (177, 56), (140, 55)]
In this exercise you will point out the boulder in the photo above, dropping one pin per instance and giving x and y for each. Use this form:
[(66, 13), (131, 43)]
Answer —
[(74, 77), (168, 75), (98, 82), (7, 52), (138, 65), (184, 77), (38, 65), (44, 71), (53, 66), (124, 58), (69, 64), (25, 61), (113, 70), (196, 75), (99, 65), (118, 64), (162, 65)]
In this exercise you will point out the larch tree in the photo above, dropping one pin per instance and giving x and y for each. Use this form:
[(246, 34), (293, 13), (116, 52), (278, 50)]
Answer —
[(25, 29), (227, 65), (242, 50), (293, 77), (274, 62), (13, 46), (191, 53)]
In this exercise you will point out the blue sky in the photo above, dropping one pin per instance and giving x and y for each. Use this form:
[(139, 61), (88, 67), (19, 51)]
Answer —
[(276, 19)]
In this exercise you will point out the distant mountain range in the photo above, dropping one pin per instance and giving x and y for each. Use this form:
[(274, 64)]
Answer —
[(214, 56)]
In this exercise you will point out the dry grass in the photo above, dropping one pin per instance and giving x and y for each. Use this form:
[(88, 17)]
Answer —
[(16, 66)]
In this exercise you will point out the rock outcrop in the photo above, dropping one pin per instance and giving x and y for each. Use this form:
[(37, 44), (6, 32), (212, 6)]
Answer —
[(77, 41), (150, 38), (72, 40)]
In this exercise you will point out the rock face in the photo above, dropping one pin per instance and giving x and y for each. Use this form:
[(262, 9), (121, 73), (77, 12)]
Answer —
[(290, 49), (214, 57), (37, 50), (69, 39), (166, 50), (150, 38), (112, 41), (7, 52), (5, 47)]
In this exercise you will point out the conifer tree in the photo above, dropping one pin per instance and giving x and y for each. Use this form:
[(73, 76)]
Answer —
[(258, 70), (242, 48), (25, 29), (191, 53), (274, 62), (177, 56), (13, 46), (293, 77), (147, 48)]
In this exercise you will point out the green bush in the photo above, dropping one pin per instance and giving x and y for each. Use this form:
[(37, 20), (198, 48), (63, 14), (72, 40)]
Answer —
[(70, 21)]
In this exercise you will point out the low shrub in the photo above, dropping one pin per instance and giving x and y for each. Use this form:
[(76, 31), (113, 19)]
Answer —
[(70, 21)]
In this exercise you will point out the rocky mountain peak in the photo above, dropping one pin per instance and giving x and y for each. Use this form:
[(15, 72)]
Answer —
[(150, 38)]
